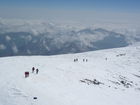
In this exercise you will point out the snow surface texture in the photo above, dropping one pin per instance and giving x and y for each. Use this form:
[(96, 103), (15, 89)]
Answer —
[(109, 77)]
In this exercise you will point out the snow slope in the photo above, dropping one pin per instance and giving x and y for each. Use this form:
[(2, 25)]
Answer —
[(61, 81)]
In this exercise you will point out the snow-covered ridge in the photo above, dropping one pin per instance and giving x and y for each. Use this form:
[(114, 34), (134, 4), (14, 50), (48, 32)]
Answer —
[(109, 77)]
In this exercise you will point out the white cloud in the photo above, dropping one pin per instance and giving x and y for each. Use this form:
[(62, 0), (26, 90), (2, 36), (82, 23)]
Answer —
[(62, 33), (28, 51), (14, 48), (8, 38), (2, 47)]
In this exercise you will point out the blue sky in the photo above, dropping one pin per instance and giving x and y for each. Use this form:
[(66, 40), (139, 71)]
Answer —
[(114, 5), (66, 8)]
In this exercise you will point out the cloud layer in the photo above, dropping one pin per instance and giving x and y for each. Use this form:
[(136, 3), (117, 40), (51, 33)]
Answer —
[(24, 37)]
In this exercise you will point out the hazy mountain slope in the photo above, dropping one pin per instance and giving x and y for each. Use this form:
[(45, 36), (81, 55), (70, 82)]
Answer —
[(20, 37), (26, 43), (61, 81)]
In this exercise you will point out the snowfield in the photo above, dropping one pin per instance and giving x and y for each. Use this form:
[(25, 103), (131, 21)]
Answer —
[(109, 77)]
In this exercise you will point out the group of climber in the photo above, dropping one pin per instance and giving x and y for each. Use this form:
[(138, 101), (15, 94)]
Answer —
[(33, 70), (84, 60)]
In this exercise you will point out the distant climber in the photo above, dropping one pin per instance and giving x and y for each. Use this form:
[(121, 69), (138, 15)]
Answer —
[(34, 98), (33, 69), (83, 60), (26, 74), (37, 71), (75, 60)]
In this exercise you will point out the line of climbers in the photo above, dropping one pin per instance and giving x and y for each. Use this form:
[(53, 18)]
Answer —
[(33, 70), (84, 60)]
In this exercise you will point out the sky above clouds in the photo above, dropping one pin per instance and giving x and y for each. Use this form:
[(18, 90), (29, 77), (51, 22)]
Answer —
[(78, 10)]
